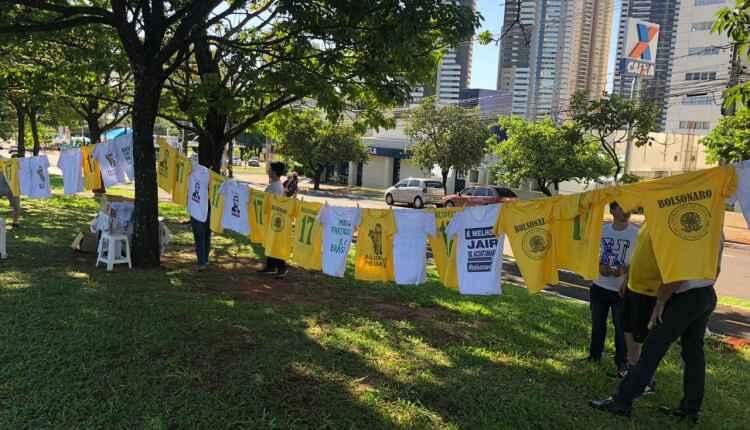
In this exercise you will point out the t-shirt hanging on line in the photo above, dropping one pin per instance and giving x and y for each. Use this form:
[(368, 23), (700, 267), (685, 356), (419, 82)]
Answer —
[(234, 215), (24, 175), (338, 229), (107, 154), (39, 177), (70, 162), (306, 240), (92, 175), (743, 188), (257, 216), (9, 168), (479, 250), (375, 246), (278, 235), (444, 247), (124, 147), (216, 200), (410, 245), (183, 168), (198, 192), (165, 168)]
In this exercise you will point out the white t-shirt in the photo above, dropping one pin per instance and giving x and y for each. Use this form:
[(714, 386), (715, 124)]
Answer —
[(124, 146), (338, 229), (480, 251), (24, 175), (743, 188), (616, 250), (70, 164), (198, 192), (107, 154), (276, 188), (39, 177), (410, 245), (234, 217)]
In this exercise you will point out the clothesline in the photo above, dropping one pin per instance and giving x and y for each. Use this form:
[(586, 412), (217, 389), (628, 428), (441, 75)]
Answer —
[(684, 212)]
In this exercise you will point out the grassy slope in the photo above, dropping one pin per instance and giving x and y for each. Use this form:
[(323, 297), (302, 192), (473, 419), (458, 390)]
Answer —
[(171, 348)]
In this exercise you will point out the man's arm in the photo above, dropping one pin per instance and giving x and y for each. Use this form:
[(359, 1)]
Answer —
[(664, 293)]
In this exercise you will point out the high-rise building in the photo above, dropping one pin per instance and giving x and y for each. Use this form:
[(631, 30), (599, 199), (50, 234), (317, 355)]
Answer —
[(700, 69), (666, 14), (552, 49), (454, 71)]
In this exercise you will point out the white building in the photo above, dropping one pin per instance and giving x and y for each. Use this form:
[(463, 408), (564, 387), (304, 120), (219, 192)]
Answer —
[(700, 69)]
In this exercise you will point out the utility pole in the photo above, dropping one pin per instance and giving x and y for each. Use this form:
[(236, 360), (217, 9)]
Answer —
[(735, 70)]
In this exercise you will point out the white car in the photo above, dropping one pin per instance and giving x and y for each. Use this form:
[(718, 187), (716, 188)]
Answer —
[(415, 192)]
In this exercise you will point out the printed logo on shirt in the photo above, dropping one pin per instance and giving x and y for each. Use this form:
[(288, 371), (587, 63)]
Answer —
[(448, 242), (163, 170), (536, 243), (614, 251), (236, 206), (278, 219), (111, 160), (376, 237), (482, 245), (690, 221), (40, 173), (196, 192)]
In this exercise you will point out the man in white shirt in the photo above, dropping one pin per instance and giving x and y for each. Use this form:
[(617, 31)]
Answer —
[(606, 293), (277, 169)]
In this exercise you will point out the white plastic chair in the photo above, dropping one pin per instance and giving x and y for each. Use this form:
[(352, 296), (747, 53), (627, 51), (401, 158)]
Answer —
[(109, 253)]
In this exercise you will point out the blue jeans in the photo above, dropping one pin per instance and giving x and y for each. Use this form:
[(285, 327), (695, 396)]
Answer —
[(202, 236), (601, 301)]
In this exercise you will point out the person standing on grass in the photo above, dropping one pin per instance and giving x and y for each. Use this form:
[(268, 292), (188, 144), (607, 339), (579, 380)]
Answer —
[(276, 170), (15, 201), (681, 311), (606, 293)]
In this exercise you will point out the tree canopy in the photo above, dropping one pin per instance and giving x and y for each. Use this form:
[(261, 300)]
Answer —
[(735, 23), (314, 142), (447, 136), (729, 141), (548, 154)]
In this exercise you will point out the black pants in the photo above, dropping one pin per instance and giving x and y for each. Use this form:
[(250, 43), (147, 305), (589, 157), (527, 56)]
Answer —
[(601, 301), (685, 317), (275, 263), (202, 236)]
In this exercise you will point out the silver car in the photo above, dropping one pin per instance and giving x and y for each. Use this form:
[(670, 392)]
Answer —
[(415, 192)]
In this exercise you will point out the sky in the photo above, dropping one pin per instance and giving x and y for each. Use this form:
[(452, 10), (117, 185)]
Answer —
[(484, 64)]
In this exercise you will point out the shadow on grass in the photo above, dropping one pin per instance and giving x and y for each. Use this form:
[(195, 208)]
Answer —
[(172, 348)]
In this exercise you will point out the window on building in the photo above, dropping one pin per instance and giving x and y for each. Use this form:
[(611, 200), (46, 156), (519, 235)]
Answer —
[(698, 99), (704, 50), (700, 76), (695, 125), (709, 2), (701, 26)]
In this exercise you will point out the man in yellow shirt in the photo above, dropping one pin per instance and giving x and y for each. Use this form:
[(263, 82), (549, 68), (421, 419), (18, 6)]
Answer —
[(681, 311)]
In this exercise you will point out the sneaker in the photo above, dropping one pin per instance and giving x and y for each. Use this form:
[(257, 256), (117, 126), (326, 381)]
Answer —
[(282, 274), (266, 271), (650, 388), (620, 373), (681, 414), (610, 405)]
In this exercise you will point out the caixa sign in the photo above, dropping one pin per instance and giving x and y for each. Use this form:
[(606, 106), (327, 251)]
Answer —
[(387, 152), (638, 68)]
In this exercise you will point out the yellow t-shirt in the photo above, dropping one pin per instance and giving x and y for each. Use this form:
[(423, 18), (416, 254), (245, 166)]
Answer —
[(529, 226), (256, 205), (183, 169), (443, 247), (9, 169), (375, 245), (578, 232), (279, 211), (307, 240), (685, 214), (644, 277), (216, 200), (166, 166), (92, 175)]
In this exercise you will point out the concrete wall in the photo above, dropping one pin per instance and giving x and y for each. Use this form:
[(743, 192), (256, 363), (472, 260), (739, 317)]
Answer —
[(409, 169), (376, 173)]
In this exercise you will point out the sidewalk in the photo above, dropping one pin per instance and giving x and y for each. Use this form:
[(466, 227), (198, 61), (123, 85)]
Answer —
[(726, 320)]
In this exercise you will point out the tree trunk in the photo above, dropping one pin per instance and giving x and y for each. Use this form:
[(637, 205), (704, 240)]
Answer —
[(95, 131), (542, 184), (211, 143), (21, 131), (146, 228), (33, 117), (316, 179), (230, 158), (444, 173)]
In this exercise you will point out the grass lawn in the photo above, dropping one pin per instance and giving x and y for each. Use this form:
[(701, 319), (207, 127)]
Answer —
[(733, 301), (172, 348)]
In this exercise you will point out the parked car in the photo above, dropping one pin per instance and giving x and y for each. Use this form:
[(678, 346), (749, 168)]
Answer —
[(415, 192), (478, 196), (254, 162)]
